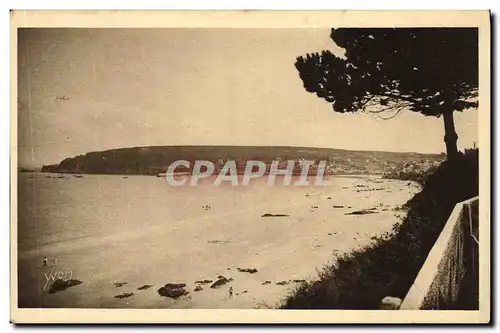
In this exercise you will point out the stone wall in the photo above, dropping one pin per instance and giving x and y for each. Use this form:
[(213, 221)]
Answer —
[(449, 277)]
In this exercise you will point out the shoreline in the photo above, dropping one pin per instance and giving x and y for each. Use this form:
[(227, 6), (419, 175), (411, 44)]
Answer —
[(189, 250)]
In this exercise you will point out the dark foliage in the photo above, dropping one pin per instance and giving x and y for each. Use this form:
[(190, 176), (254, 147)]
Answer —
[(427, 70), (360, 280)]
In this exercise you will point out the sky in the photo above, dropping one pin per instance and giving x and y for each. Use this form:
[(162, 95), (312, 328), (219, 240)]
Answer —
[(141, 87)]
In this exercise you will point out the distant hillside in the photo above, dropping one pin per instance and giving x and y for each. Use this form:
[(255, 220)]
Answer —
[(155, 159), (26, 168)]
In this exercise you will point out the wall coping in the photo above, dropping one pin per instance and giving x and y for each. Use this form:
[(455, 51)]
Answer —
[(420, 287)]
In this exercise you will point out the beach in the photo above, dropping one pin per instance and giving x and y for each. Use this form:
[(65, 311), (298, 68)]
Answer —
[(124, 237)]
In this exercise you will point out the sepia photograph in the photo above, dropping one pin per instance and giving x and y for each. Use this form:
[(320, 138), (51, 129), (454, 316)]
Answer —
[(245, 161)]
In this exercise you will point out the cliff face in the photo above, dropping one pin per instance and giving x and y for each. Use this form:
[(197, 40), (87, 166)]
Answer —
[(50, 168), (155, 159)]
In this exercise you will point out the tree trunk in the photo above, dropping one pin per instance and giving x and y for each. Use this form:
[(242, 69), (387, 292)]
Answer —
[(450, 136)]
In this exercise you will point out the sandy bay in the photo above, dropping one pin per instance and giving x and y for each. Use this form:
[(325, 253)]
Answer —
[(138, 230)]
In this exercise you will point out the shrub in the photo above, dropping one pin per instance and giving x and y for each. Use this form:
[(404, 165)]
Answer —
[(361, 279)]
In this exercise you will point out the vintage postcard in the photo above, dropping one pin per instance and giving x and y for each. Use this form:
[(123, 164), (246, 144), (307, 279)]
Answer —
[(250, 167)]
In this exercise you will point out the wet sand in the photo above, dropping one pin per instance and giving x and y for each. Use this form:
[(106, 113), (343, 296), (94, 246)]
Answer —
[(204, 244)]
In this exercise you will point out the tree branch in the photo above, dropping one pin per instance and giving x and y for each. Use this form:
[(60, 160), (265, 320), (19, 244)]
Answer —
[(394, 115)]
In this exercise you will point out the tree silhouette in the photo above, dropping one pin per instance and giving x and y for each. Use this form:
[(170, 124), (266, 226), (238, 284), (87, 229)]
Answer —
[(384, 71)]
